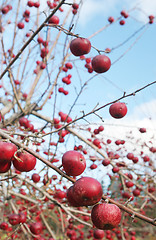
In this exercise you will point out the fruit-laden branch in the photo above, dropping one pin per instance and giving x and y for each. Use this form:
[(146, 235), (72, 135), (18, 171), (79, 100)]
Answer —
[(93, 147), (46, 194), (121, 206), (31, 38)]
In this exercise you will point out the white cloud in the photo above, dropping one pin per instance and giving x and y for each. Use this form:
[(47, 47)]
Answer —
[(92, 8), (146, 110), (147, 7)]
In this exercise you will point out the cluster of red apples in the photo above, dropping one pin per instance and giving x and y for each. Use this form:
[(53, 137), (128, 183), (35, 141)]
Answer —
[(22, 160), (87, 191), (100, 64)]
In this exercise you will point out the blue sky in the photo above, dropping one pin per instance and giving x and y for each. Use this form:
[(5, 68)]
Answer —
[(137, 67), (134, 70)]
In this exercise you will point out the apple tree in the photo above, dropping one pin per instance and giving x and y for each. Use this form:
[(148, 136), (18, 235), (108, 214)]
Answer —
[(61, 175)]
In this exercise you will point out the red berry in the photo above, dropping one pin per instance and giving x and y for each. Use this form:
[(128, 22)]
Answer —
[(106, 162), (129, 184), (69, 65), (122, 22), (142, 130), (20, 25), (54, 20), (30, 3), (24, 122), (75, 6), (101, 128), (40, 40), (136, 192), (130, 156), (5, 10), (35, 177), (111, 19), (36, 4), (115, 169), (96, 142)]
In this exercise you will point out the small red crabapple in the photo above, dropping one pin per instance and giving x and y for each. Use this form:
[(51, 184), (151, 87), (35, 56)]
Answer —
[(80, 46), (73, 163), (101, 63), (118, 110), (87, 191)]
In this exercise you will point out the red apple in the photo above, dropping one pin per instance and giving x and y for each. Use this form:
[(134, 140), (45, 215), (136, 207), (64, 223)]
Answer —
[(118, 110), (80, 46), (4, 226), (22, 217), (24, 161), (70, 198), (98, 233), (14, 219), (36, 228), (101, 63), (7, 151), (4, 167), (87, 191), (106, 216), (73, 163)]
